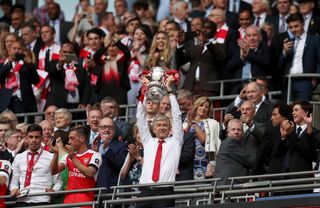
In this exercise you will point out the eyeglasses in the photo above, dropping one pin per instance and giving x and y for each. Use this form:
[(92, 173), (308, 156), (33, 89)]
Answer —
[(105, 127)]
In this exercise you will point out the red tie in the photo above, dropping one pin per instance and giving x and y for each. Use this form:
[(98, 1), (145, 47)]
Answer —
[(29, 169), (157, 162)]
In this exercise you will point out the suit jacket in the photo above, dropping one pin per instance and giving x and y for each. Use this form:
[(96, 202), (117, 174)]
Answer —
[(310, 58), (57, 81), (314, 25), (37, 47), (112, 162), (186, 163), (300, 151), (232, 160), (260, 60), (253, 139), (209, 63), (64, 30), (264, 113), (232, 20), (28, 76), (125, 129), (268, 19)]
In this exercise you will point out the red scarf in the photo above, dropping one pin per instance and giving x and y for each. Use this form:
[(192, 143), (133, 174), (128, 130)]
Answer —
[(222, 33), (70, 82), (12, 80), (110, 69)]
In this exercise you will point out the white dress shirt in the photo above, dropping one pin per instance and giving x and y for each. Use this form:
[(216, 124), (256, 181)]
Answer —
[(297, 66), (171, 147), (41, 178), (56, 24)]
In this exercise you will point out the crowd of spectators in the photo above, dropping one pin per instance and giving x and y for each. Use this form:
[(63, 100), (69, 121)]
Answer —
[(102, 60)]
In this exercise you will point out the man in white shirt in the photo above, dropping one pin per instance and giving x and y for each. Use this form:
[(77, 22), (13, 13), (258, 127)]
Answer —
[(31, 172), (162, 152), (300, 54)]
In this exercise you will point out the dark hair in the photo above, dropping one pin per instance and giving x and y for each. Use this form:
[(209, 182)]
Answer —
[(34, 127), (305, 105), (246, 10), (81, 130), (18, 8), (96, 31), (295, 17), (6, 2), (284, 110), (176, 25), (49, 26), (63, 135), (140, 5), (29, 25), (134, 19)]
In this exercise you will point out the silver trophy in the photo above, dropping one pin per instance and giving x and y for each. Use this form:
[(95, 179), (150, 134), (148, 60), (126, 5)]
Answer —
[(156, 87)]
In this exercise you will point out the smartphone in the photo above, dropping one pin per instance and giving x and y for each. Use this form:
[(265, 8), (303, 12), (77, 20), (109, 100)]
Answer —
[(71, 57)]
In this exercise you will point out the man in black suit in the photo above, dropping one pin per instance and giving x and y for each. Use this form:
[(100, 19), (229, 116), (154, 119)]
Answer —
[(232, 159), (68, 81), (31, 39), (205, 58), (110, 108), (268, 159), (251, 59), (180, 15), (231, 17), (311, 21), (113, 154), (279, 20), (62, 28), (300, 55), (297, 143), (238, 5), (260, 12), (263, 109), (17, 75)]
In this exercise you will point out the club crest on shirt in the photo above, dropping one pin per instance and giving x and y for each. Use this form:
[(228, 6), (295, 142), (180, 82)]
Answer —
[(86, 160), (96, 161)]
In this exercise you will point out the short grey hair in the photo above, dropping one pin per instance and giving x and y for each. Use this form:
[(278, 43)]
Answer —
[(64, 111)]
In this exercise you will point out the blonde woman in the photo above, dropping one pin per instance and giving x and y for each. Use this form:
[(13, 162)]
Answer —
[(5, 43), (207, 137)]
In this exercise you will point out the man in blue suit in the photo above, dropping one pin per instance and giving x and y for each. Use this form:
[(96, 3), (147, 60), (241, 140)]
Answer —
[(300, 55), (113, 154)]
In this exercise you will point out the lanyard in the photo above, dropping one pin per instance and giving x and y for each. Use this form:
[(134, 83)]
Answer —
[(30, 168)]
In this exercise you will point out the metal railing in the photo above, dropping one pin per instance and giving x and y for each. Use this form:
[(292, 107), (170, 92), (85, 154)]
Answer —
[(92, 203), (207, 191), (297, 76)]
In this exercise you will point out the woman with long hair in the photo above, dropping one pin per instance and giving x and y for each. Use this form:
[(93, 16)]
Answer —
[(206, 132)]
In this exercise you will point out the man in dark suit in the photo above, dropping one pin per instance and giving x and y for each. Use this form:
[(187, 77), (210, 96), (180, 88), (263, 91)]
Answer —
[(17, 75), (31, 39), (62, 28), (279, 19), (231, 17), (263, 109), (110, 108), (300, 55), (186, 164), (238, 5), (68, 81), (311, 20), (260, 12), (180, 15), (113, 154), (268, 159), (298, 140), (251, 59), (205, 58), (232, 159)]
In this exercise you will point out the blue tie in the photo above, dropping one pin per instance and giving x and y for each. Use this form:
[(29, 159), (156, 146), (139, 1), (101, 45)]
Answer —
[(246, 71)]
